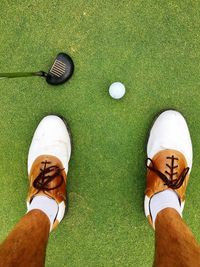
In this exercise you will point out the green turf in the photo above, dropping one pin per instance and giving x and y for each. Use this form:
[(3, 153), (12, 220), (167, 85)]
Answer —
[(153, 47)]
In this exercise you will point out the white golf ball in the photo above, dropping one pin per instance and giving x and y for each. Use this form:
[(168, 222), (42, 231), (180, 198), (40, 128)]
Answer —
[(117, 90)]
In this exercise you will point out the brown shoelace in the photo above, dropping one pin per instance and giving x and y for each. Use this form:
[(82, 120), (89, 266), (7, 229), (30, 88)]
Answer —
[(171, 183), (44, 178)]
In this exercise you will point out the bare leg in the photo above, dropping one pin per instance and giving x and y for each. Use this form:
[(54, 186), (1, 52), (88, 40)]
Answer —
[(26, 244), (175, 243)]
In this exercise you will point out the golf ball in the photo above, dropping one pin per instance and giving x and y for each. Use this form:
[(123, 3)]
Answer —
[(117, 90)]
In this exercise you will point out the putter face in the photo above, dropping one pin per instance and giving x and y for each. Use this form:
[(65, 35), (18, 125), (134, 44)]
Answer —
[(61, 70)]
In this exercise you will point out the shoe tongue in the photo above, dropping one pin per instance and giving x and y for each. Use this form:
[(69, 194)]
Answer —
[(49, 178), (167, 169), (170, 162), (47, 173)]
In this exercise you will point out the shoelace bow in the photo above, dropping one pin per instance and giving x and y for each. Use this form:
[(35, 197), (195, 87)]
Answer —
[(171, 183), (44, 178)]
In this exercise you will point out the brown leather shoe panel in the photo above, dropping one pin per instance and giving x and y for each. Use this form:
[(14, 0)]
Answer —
[(163, 161), (59, 194)]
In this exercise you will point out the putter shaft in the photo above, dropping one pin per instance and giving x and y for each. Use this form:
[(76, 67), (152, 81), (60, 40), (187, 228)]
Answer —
[(22, 74)]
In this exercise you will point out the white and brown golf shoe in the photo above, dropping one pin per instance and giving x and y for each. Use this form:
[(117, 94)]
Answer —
[(169, 158), (48, 159)]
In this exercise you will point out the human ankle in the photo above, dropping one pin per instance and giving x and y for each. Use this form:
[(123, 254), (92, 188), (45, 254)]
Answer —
[(167, 215)]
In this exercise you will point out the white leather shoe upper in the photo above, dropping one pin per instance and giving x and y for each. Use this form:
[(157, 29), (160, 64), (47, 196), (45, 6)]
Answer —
[(50, 138), (170, 131)]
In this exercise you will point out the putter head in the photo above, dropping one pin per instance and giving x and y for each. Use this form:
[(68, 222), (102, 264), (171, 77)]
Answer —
[(61, 70)]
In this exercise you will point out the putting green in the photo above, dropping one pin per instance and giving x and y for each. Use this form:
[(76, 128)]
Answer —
[(153, 47)]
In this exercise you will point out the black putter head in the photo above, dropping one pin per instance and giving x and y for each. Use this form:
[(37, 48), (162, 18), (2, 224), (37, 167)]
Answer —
[(61, 70)]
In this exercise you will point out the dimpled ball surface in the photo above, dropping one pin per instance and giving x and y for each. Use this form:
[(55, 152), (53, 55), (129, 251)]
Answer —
[(117, 90)]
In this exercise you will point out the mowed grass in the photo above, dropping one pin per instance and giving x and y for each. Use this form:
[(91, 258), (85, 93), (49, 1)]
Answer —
[(153, 47)]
